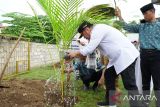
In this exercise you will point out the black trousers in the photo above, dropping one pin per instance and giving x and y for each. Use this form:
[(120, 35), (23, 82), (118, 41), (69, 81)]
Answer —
[(128, 78), (94, 77), (150, 66)]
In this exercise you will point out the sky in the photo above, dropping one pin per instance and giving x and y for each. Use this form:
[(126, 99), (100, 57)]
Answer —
[(130, 8)]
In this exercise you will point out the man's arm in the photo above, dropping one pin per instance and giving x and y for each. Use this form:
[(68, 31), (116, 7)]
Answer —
[(95, 40), (74, 54), (134, 28)]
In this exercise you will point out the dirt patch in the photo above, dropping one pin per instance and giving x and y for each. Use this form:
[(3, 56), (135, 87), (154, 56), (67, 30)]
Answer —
[(22, 93)]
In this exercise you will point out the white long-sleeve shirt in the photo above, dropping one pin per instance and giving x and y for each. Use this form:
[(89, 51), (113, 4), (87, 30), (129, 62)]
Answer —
[(113, 44)]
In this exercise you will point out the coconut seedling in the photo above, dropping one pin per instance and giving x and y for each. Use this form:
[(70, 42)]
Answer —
[(65, 17)]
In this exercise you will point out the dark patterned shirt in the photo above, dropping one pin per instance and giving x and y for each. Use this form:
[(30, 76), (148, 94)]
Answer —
[(149, 33)]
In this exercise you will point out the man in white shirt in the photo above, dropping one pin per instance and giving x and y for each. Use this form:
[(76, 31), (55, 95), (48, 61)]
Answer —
[(121, 53)]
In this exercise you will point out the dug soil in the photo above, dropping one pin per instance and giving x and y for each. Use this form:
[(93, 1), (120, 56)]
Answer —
[(22, 93)]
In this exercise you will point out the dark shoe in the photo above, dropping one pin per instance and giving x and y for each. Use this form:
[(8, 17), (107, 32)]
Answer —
[(104, 104), (145, 104)]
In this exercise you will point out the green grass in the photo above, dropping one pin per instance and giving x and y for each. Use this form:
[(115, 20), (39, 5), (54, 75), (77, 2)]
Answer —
[(86, 98), (40, 73)]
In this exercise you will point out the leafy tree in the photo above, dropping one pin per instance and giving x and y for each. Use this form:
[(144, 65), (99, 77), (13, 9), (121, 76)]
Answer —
[(19, 21)]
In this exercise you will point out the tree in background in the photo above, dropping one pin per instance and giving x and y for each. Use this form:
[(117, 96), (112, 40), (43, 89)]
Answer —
[(33, 31)]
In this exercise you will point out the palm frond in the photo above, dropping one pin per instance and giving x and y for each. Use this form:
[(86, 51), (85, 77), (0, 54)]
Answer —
[(101, 13), (64, 17)]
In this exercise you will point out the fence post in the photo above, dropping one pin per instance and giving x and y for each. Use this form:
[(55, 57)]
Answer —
[(17, 70), (29, 55)]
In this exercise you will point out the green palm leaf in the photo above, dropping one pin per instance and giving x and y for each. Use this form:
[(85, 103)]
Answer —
[(64, 17), (101, 13)]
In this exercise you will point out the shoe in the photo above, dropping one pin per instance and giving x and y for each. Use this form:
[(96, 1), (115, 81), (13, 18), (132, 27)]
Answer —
[(104, 104), (145, 104)]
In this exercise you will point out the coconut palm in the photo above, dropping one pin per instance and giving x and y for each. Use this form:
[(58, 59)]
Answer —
[(65, 17)]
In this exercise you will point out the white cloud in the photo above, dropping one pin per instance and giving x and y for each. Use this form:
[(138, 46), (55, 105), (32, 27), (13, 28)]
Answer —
[(21, 6)]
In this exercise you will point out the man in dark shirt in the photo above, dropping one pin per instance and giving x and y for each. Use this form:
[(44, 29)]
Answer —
[(149, 36)]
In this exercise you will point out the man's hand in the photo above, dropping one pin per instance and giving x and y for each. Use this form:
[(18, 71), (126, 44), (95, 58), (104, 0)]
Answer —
[(74, 54), (101, 81), (118, 13)]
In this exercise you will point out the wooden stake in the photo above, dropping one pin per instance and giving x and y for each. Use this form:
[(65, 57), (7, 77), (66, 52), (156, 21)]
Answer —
[(7, 61)]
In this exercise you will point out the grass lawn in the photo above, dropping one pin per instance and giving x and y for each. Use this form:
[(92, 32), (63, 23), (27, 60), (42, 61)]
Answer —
[(86, 98)]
